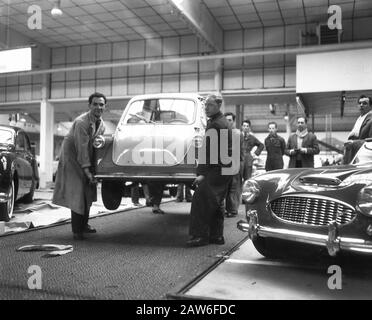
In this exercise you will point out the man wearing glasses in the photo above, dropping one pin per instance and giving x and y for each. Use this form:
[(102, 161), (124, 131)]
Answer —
[(302, 146), (75, 185), (362, 128)]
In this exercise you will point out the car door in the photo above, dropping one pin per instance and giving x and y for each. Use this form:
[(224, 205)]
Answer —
[(30, 166), (21, 164)]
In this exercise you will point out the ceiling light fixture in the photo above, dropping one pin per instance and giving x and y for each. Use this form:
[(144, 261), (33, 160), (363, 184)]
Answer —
[(56, 10)]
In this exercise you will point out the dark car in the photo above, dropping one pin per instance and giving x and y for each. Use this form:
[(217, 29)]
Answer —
[(327, 207), (19, 176), (157, 139)]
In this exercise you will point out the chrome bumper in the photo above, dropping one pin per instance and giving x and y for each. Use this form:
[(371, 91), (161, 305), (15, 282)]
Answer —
[(4, 197), (332, 241)]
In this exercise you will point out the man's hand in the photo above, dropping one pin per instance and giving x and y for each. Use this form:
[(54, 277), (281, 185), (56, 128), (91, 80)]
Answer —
[(90, 176), (292, 151), (198, 180), (303, 150), (348, 143)]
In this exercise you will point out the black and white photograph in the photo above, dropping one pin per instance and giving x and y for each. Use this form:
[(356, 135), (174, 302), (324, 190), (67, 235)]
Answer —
[(186, 156)]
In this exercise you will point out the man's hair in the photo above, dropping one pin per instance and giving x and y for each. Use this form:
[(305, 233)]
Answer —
[(363, 97), (247, 121), (96, 95), (215, 98), (303, 117), (274, 123), (230, 114)]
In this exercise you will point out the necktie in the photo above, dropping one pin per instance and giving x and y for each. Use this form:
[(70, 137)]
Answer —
[(98, 122)]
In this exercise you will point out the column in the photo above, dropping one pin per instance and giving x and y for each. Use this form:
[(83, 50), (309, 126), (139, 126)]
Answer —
[(46, 143)]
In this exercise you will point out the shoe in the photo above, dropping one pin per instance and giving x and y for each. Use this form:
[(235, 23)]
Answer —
[(230, 215), (78, 236), (197, 242), (188, 199), (179, 200), (89, 229), (137, 204), (158, 211), (217, 240), (148, 204)]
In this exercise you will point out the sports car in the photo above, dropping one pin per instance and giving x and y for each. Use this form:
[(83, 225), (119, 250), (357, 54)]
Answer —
[(19, 175), (327, 207)]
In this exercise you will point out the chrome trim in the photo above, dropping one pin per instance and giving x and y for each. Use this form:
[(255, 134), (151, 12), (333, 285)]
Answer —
[(4, 197), (137, 177), (268, 207), (332, 241), (315, 196)]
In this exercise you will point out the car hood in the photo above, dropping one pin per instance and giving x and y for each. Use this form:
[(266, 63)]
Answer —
[(316, 179), (152, 144)]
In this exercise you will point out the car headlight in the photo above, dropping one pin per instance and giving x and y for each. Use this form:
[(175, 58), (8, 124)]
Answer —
[(365, 200), (251, 191), (99, 142)]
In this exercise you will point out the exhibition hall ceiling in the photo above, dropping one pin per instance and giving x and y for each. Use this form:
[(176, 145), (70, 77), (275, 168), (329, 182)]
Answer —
[(98, 21)]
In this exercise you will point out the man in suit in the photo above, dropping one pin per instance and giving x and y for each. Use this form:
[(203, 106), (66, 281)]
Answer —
[(362, 129), (248, 143), (207, 216), (302, 146), (275, 147), (233, 197)]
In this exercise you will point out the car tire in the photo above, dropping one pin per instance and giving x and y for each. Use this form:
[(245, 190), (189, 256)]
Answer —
[(29, 197), (112, 192), (262, 245), (6, 209)]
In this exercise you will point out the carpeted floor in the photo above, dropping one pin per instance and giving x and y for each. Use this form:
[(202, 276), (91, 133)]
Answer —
[(134, 255)]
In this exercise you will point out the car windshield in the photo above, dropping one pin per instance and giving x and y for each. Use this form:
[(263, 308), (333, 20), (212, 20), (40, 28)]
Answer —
[(6, 136), (163, 110), (364, 154)]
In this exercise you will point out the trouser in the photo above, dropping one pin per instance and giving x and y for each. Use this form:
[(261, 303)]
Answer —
[(78, 221), (233, 197), (156, 192), (350, 150), (134, 192), (207, 216), (246, 167), (180, 189)]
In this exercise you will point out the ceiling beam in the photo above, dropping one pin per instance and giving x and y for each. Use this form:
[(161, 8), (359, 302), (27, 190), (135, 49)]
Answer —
[(232, 55), (200, 21)]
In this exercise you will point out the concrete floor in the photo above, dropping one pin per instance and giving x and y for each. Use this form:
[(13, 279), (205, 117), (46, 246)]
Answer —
[(246, 275)]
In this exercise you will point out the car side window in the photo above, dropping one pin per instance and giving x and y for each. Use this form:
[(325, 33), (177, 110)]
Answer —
[(27, 144), (20, 141), (203, 116)]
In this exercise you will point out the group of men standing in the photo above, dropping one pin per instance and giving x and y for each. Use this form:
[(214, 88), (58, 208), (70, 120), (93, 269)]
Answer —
[(216, 194)]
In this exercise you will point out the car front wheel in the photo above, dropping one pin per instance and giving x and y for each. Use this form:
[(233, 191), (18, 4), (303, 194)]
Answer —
[(112, 192), (264, 247), (29, 197), (6, 208)]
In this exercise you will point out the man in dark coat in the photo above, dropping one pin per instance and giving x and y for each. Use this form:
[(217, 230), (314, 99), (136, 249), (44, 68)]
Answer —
[(275, 147), (362, 129), (207, 216), (302, 146), (75, 185), (234, 190), (249, 142)]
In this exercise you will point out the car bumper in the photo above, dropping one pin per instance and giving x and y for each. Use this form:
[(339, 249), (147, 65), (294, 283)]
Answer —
[(4, 197), (176, 178), (332, 241)]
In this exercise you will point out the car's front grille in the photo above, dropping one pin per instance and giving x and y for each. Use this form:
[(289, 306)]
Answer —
[(311, 211)]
